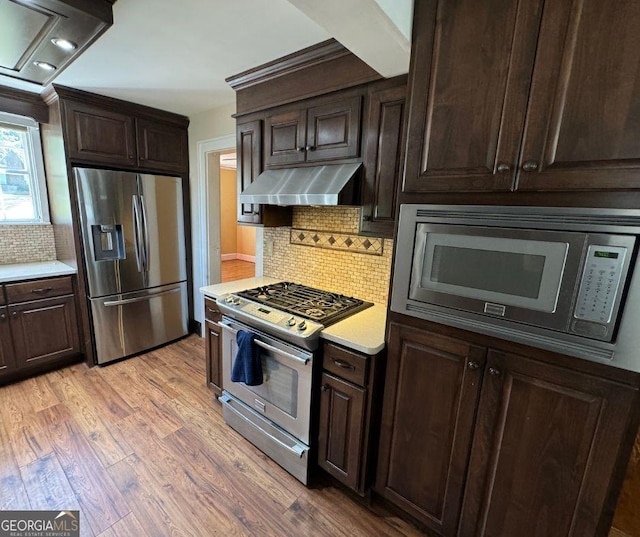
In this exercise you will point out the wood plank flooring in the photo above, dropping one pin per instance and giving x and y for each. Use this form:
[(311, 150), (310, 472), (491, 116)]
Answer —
[(140, 449), (236, 269)]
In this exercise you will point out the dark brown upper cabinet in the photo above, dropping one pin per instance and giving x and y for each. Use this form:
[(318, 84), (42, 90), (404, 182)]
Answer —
[(319, 131), (583, 119), (103, 131), (161, 146), (383, 155), (249, 166), (523, 95), (100, 135)]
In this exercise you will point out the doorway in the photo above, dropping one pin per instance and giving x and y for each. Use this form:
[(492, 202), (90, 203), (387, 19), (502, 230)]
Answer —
[(237, 242)]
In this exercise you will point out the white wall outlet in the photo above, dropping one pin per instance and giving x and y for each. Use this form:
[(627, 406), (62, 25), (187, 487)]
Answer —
[(268, 247)]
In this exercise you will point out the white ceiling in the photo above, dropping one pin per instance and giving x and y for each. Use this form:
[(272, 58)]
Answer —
[(175, 55)]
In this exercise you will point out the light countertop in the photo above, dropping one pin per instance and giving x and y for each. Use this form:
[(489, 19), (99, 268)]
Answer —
[(363, 332), (32, 271)]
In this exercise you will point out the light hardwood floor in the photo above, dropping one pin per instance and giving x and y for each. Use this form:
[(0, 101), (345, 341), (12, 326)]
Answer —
[(236, 269), (140, 448)]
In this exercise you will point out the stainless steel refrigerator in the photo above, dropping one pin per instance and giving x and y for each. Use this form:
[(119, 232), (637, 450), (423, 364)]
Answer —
[(135, 259)]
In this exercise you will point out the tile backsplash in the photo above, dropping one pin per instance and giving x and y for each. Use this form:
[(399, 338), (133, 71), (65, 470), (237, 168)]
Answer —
[(26, 243), (323, 265)]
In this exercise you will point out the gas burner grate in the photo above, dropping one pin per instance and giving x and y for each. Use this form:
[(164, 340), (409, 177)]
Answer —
[(321, 306)]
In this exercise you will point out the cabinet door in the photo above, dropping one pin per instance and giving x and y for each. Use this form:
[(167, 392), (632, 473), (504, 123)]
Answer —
[(98, 135), (7, 362), (213, 353), (342, 408), (333, 130), (469, 80), (44, 330), (544, 451), (161, 146), (431, 392), (382, 161), (583, 123), (249, 166), (285, 138)]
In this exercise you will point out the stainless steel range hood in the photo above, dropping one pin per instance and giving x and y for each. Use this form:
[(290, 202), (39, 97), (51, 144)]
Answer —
[(334, 184)]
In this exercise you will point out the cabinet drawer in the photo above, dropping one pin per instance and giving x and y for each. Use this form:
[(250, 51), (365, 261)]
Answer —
[(211, 311), (33, 290), (346, 364)]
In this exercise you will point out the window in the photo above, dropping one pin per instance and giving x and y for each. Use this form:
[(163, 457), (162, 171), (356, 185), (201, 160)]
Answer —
[(23, 194)]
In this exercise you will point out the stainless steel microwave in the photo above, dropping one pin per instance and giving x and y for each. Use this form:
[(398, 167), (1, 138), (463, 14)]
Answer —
[(556, 278)]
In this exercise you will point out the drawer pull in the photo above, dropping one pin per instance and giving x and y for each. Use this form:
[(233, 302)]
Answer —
[(42, 290), (473, 365), (324, 387), (211, 310), (343, 364), (3, 316), (495, 372)]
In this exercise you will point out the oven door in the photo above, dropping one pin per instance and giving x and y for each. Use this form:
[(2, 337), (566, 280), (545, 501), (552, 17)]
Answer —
[(285, 395)]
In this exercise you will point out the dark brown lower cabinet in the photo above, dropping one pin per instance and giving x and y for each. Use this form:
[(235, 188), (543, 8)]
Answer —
[(7, 362), (213, 363), (431, 392), (44, 330), (342, 407), (213, 345), (546, 445), (504, 446)]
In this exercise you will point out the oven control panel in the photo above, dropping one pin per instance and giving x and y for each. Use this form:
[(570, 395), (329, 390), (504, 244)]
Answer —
[(267, 317)]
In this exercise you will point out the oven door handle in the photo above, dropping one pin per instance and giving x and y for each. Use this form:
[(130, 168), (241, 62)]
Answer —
[(266, 346)]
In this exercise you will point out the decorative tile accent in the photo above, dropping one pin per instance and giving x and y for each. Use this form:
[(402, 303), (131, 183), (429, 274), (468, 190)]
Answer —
[(26, 243), (342, 270), (337, 241)]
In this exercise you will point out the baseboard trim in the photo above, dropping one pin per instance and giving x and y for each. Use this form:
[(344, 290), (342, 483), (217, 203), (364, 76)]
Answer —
[(245, 257), (228, 257)]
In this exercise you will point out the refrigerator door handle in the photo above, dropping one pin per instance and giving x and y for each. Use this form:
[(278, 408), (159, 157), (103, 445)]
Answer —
[(136, 234), (140, 298), (145, 231)]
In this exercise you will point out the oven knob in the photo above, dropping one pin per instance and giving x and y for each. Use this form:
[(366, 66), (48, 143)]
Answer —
[(291, 321), (229, 299), (236, 301), (302, 325)]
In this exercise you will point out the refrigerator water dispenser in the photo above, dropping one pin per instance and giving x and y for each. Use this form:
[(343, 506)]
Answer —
[(108, 242)]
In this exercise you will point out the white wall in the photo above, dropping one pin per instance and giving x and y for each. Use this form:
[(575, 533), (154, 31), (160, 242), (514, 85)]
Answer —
[(204, 127)]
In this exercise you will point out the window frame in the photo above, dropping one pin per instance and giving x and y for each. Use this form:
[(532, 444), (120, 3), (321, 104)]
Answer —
[(39, 193)]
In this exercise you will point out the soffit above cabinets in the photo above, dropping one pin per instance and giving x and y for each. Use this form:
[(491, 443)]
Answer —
[(27, 28)]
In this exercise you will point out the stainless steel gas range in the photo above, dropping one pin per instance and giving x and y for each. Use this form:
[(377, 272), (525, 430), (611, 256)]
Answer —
[(286, 320)]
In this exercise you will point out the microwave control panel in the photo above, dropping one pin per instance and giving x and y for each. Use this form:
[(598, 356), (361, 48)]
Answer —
[(599, 288)]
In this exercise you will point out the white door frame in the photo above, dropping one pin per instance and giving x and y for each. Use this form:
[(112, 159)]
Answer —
[(208, 210)]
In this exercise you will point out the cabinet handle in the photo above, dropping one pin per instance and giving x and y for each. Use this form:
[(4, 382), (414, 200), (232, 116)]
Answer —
[(366, 218), (503, 168), (256, 213), (324, 387), (42, 290), (142, 158), (495, 372), (15, 313), (131, 157), (343, 364), (473, 365), (300, 149), (310, 148), (530, 166), (3, 316), (211, 310)]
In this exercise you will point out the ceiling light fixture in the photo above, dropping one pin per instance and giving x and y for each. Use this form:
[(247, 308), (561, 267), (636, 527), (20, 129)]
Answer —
[(45, 65), (64, 44)]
